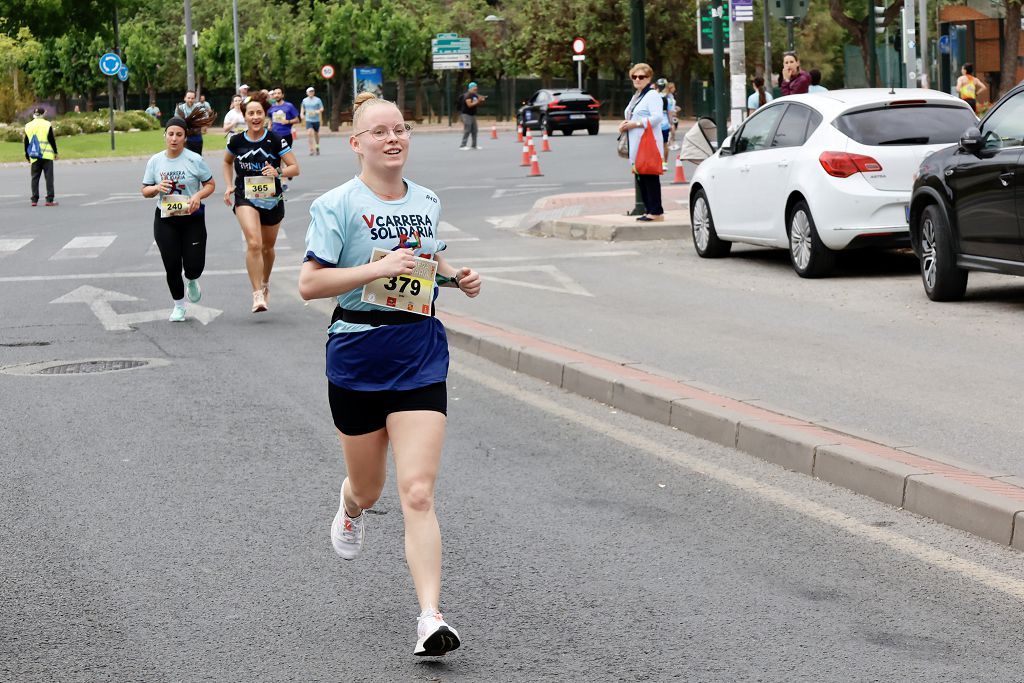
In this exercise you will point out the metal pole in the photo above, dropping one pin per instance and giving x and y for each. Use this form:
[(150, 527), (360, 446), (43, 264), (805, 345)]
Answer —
[(910, 45), (110, 103), (922, 42), (190, 63), (718, 46), (737, 71), (872, 46), (789, 34), (637, 54), (448, 94), (579, 75), (238, 64), (767, 47)]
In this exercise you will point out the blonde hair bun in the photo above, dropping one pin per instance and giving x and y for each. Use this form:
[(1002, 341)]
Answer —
[(361, 98)]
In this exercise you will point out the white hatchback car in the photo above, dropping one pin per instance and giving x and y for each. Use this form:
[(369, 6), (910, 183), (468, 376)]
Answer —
[(823, 172)]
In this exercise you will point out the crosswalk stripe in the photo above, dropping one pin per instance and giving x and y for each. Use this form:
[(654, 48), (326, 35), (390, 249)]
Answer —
[(8, 247), (84, 246), (447, 228)]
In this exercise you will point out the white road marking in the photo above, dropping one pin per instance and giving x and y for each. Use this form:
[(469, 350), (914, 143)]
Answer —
[(515, 192), (84, 246), (99, 301), (463, 187), (505, 222), (153, 250), (559, 257), (8, 247), (126, 276), (910, 547), (565, 284), (446, 227), (119, 198)]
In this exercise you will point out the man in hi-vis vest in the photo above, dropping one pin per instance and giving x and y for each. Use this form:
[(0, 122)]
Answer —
[(40, 150)]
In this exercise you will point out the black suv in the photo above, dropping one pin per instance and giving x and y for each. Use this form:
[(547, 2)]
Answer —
[(564, 110), (965, 212)]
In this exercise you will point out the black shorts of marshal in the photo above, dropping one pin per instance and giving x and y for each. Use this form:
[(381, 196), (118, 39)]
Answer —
[(272, 216), (363, 412)]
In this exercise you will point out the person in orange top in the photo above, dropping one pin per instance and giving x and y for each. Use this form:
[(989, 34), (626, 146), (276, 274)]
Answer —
[(968, 86)]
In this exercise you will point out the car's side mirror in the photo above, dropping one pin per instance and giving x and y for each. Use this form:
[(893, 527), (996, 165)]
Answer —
[(726, 148), (972, 140)]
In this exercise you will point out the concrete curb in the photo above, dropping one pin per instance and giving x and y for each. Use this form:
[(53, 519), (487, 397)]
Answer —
[(614, 228), (987, 504)]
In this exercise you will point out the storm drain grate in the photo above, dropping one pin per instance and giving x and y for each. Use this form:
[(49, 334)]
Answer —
[(92, 366)]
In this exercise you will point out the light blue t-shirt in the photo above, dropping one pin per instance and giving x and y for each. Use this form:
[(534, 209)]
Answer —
[(346, 225), (817, 88), (752, 100), (311, 106), (188, 171)]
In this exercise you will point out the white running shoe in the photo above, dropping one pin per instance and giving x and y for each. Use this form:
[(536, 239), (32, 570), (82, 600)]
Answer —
[(436, 637), (463, 148), (177, 314), (347, 533)]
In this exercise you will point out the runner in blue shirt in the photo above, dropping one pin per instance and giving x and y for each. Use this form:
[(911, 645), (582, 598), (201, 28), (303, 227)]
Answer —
[(312, 109), (386, 368), (182, 180), (254, 163), (283, 115)]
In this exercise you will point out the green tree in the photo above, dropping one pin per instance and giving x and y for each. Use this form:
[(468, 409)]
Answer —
[(1011, 46), (346, 39), (15, 54), (860, 24)]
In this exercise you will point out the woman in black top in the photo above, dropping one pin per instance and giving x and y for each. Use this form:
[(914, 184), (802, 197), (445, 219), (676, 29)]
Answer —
[(254, 164)]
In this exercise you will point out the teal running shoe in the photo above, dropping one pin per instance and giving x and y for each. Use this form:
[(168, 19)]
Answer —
[(193, 291), (178, 314)]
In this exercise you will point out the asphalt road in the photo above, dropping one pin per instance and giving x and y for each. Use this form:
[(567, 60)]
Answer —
[(171, 523)]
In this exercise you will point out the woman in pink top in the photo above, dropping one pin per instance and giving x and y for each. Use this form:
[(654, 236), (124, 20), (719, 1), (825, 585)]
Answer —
[(794, 81)]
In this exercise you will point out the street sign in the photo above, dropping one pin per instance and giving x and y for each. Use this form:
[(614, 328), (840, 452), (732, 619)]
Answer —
[(461, 57), (122, 73), (442, 66), (579, 45), (704, 30), (110, 64), (327, 71), (447, 35), (742, 10), (449, 51), (579, 58)]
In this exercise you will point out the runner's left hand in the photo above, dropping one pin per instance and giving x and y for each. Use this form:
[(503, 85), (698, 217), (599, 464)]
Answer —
[(469, 281)]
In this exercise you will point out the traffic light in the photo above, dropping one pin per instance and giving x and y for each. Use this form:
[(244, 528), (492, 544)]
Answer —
[(879, 19)]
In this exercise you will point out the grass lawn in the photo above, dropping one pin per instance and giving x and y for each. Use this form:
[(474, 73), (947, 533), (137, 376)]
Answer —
[(94, 145)]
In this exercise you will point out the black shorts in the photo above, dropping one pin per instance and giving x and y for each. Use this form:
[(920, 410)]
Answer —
[(362, 412), (267, 216)]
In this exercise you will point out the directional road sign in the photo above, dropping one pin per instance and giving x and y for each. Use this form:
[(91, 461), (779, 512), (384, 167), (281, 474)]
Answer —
[(110, 64), (442, 66)]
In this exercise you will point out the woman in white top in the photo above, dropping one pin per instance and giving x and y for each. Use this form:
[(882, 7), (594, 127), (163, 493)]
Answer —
[(646, 108), (234, 120)]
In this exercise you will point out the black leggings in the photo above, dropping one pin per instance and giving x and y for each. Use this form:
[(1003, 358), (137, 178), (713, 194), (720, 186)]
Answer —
[(650, 193), (182, 244)]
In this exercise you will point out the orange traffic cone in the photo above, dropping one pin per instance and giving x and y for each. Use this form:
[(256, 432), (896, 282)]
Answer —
[(534, 166), (680, 178), (545, 145), (519, 133), (494, 132), (526, 155)]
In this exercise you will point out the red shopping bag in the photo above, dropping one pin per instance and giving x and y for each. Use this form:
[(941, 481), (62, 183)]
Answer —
[(648, 158)]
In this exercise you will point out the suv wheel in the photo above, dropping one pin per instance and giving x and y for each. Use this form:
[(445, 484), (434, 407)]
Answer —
[(705, 239), (943, 280), (810, 257), (593, 129)]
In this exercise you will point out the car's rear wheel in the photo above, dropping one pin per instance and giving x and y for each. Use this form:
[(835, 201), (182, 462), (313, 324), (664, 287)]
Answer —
[(567, 131), (705, 239), (808, 254), (593, 129), (943, 280)]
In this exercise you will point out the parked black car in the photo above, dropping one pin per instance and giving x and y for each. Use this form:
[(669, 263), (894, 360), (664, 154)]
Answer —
[(564, 110), (965, 211)]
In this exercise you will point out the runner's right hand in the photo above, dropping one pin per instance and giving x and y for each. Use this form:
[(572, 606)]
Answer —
[(398, 262)]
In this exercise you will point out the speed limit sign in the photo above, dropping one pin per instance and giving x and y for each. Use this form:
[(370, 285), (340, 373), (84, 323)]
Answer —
[(327, 71)]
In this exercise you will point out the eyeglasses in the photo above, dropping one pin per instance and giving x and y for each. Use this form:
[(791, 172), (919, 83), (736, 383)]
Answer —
[(638, 77), (380, 133)]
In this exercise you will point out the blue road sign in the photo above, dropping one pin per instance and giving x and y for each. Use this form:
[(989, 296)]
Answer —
[(122, 73), (944, 44), (110, 64)]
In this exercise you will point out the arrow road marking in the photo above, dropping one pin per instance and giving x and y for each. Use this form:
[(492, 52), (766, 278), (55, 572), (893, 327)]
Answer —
[(565, 284), (99, 301)]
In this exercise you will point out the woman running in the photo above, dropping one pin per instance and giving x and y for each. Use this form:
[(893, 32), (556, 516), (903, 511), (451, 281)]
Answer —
[(254, 164), (374, 239), (182, 180), (234, 120)]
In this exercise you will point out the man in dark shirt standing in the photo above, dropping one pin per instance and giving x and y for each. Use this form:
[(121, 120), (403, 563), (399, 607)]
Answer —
[(468, 104)]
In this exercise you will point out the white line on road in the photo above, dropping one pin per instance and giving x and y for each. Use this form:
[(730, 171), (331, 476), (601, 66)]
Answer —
[(565, 284), (8, 247), (84, 246), (940, 559), (559, 257)]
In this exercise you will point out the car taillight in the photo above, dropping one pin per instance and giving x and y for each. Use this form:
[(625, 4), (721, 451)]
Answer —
[(844, 164), (555, 105), (594, 105)]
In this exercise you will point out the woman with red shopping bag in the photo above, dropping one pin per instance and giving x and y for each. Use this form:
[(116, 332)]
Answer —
[(643, 116)]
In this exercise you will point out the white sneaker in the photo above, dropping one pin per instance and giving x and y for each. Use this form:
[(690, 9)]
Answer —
[(478, 147), (436, 637), (177, 314), (463, 148), (347, 533)]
